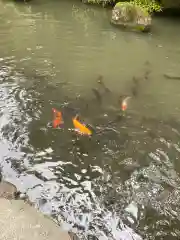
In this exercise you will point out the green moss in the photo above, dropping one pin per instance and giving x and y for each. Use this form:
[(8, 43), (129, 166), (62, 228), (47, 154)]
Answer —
[(131, 10), (149, 5), (119, 4), (140, 28)]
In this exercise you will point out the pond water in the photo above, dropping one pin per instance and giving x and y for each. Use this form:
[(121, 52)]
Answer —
[(123, 182)]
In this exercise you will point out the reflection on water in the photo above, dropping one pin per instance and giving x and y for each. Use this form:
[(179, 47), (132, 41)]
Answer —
[(123, 182)]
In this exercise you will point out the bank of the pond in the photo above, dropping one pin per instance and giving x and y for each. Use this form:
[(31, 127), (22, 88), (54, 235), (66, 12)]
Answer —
[(21, 221)]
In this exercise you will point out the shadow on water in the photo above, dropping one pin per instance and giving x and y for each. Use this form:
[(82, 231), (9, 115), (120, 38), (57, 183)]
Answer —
[(121, 183)]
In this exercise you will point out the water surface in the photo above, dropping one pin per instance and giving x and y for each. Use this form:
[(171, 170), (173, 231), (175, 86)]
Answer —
[(123, 182)]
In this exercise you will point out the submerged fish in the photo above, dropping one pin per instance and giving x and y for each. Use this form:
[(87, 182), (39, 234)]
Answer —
[(97, 95), (124, 104), (146, 75), (81, 128), (135, 81), (58, 120), (101, 82), (134, 91), (135, 87)]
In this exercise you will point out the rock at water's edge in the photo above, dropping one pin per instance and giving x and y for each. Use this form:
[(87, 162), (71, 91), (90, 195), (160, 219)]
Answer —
[(131, 16), (21, 221)]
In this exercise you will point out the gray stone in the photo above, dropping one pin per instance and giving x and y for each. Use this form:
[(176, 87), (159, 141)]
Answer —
[(18, 221)]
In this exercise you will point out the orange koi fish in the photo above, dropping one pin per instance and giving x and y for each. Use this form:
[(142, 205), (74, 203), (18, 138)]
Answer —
[(124, 104), (81, 128), (58, 120)]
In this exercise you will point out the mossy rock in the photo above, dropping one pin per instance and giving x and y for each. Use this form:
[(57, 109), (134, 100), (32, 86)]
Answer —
[(131, 16)]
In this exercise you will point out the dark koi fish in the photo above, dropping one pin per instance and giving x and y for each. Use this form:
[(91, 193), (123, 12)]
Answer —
[(101, 82), (97, 95)]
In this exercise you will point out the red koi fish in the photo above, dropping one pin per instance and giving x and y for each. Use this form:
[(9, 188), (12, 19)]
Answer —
[(81, 128), (58, 120), (124, 104)]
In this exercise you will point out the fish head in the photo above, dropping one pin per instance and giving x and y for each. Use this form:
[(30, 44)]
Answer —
[(54, 110)]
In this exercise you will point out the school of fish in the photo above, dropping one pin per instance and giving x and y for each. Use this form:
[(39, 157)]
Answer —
[(79, 127)]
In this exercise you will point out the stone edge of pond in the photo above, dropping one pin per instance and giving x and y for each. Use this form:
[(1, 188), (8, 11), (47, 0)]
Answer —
[(20, 220)]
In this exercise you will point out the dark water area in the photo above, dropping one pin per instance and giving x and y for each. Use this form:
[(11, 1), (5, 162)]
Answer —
[(123, 181)]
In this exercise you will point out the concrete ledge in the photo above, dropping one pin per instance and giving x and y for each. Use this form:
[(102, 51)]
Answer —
[(20, 221)]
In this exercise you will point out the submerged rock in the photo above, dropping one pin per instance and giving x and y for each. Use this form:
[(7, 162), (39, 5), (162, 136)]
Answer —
[(131, 16)]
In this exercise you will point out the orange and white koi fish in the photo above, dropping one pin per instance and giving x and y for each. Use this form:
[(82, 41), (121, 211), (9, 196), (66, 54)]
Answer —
[(124, 104), (58, 120), (81, 128)]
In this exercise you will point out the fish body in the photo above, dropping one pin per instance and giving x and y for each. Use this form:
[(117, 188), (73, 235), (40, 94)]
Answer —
[(124, 104), (135, 81), (97, 95), (58, 119), (101, 82), (134, 91), (81, 128)]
